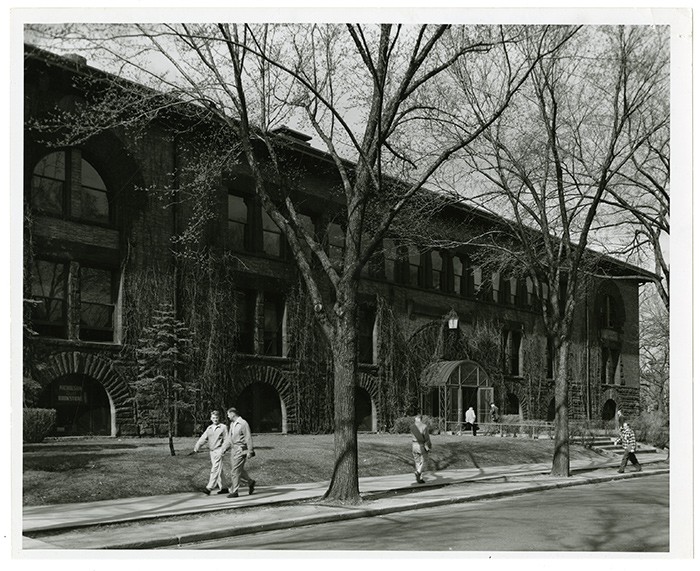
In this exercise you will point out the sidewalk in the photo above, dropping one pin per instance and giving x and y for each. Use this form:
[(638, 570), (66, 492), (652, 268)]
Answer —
[(82, 526)]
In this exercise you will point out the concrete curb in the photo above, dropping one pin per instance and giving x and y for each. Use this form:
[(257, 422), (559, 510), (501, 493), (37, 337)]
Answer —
[(350, 513)]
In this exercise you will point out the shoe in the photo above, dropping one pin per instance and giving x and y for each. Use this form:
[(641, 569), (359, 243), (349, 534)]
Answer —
[(223, 491), (206, 491), (421, 481), (233, 495), (418, 478), (621, 471), (251, 487)]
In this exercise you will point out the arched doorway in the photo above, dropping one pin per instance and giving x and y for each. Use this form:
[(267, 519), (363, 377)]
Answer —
[(82, 406), (609, 408), (363, 410), (454, 386), (259, 403)]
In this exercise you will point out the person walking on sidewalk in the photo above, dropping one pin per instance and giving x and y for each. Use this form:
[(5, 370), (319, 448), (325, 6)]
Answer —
[(421, 445), (240, 441), (470, 419), (215, 437), (629, 443)]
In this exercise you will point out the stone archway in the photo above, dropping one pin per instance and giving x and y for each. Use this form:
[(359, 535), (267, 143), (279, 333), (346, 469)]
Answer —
[(68, 364), (279, 382), (369, 384)]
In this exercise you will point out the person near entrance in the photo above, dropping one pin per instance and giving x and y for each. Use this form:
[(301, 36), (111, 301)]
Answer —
[(629, 443), (421, 445), (240, 441), (214, 436), (470, 420), (494, 412)]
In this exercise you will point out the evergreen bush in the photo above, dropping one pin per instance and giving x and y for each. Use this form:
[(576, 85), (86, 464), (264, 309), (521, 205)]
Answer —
[(37, 423)]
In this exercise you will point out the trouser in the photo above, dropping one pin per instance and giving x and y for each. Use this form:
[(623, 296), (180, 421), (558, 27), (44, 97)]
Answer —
[(419, 453), (217, 465), (472, 426), (238, 471), (631, 456)]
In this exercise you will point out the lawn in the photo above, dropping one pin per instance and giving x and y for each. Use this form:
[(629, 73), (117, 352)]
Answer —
[(99, 468)]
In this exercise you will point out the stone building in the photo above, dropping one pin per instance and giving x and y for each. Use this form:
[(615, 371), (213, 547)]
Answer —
[(99, 248)]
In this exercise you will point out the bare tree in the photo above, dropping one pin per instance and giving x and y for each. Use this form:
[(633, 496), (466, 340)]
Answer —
[(654, 347), (554, 160), (372, 94)]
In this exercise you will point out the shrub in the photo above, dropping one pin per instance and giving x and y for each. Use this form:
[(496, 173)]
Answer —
[(403, 424), (37, 423), (652, 428)]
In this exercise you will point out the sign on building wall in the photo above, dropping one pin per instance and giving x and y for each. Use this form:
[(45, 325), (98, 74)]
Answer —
[(71, 394)]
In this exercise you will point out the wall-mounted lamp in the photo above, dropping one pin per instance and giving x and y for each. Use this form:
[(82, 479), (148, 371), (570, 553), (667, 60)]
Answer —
[(452, 319)]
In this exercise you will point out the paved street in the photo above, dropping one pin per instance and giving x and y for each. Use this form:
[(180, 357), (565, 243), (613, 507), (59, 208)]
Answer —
[(625, 515)]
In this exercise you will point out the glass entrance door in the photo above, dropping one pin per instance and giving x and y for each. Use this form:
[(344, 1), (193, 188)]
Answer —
[(484, 398)]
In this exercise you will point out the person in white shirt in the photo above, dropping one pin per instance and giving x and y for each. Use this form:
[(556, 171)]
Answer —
[(470, 420)]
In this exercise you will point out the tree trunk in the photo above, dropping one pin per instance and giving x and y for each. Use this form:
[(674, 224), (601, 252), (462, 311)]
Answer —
[(344, 485), (560, 460)]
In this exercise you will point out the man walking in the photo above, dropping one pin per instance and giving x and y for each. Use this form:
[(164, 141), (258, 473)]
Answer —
[(470, 420), (494, 412), (215, 437), (241, 443), (629, 443), (421, 446)]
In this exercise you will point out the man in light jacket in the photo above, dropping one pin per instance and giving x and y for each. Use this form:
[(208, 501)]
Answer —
[(240, 441), (421, 445), (215, 437)]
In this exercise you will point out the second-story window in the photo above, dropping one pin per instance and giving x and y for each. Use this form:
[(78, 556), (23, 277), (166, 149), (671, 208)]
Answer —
[(237, 222), (245, 307), (272, 236), (96, 304), (390, 260), (55, 190), (414, 273), (436, 278), (458, 270), (336, 243), (272, 334), (49, 295)]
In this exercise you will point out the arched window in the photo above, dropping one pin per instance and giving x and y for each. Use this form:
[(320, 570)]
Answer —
[(55, 192)]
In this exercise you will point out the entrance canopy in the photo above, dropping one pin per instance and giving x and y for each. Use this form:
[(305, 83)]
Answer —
[(452, 387), (454, 374)]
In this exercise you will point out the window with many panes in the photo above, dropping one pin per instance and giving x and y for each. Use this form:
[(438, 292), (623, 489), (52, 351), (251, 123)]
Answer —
[(272, 236), (413, 266), (273, 317), (49, 298), (237, 223), (436, 263), (54, 194), (244, 307), (96, 304)]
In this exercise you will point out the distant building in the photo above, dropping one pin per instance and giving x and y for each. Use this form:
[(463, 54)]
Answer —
[(99, 249)]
